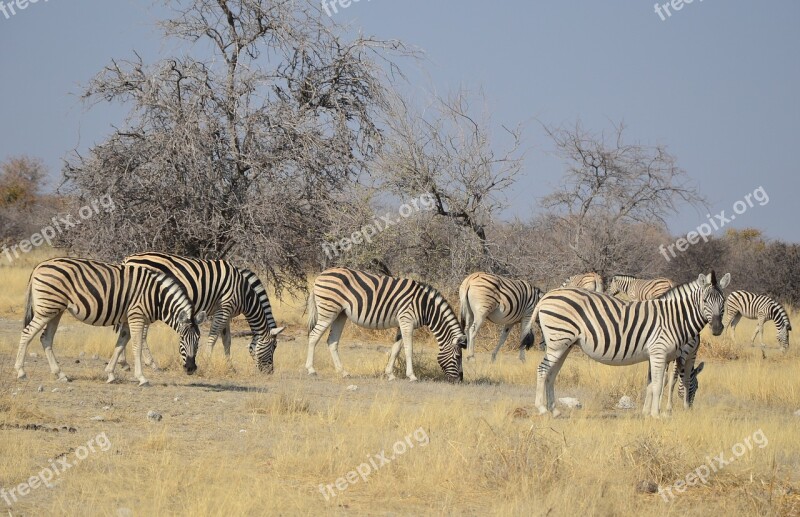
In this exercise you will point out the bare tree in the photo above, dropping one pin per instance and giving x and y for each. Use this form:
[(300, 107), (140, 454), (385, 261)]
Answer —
[(21, 206), (447, 152), (608, 186), (241, 152)]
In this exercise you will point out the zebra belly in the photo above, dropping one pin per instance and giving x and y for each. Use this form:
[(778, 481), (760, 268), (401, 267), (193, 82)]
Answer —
[(389, 323), (81, 315), (638, 355), (500, 317)]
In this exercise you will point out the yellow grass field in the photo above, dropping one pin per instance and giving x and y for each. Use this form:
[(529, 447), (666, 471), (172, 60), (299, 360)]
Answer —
[(241, 442)]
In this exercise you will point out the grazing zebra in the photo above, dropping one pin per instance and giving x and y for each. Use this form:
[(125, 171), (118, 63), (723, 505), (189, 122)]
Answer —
[(675, 372), (639, 290), (504, 301), (381, 302), (590, 281), (223, 291), (760, 307), (619, 333), (103, 294)]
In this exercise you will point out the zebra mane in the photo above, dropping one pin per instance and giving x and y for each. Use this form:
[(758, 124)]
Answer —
[(168, 281), (688, 287)]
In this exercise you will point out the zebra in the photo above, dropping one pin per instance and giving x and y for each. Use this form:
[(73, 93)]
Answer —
[(637, 289), (104, 294), (591, 281), (504, 301), (381, 302), (760, 307), (223, 291), (619, 333)]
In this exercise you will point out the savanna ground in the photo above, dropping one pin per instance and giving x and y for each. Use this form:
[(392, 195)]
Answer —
[(242, 442)]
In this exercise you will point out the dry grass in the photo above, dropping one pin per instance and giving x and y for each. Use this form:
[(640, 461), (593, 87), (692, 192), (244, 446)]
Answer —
[(244, 443)]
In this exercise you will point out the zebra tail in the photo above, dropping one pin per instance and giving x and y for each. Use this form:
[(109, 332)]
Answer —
[(312, 311), (28, 304), (464, 309), (528, 335)]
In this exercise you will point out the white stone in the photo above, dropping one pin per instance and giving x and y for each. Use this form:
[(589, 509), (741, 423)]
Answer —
[(625, 402), (570, 402)]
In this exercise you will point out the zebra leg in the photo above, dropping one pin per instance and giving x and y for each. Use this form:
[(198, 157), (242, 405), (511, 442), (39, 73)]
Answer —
[(657, 367), (732, 326), (47, 345), (393, 358), (333, 343), (147, 356), (472, 333), (222, 319), (503, 336), (407, 345), (672, 375), (759, 332), (119, 350), (314, 335), (136, 324), (546, 374), (28, 333)]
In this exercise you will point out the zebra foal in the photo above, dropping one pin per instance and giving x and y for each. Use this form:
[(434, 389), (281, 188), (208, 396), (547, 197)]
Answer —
[(617, 333), (382, 302), (503, 301), (103, 294)]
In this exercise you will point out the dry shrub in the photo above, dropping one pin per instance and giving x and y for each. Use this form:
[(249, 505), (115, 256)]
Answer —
[(282, 405), (723, 349), (655, 458)]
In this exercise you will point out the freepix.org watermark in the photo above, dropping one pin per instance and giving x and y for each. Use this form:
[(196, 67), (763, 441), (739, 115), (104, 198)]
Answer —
[(11, 7), (713, 465), (368, 231), (57, 467), (666, 9), (331, 7), (376, 462), (59, 225), (715, 223)]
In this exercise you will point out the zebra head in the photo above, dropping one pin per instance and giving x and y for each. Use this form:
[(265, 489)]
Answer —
[(449, 358), (189, 331), (712, 300), (262, 349), (693, 384)]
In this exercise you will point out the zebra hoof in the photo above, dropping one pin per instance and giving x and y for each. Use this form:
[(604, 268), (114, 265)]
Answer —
[(412, 379), (556, 413), (21, 375), (62, 377), (111, 378), (312, 372), (345, 375), (542, 410), (390, 377), (143, 383), (125, 367)]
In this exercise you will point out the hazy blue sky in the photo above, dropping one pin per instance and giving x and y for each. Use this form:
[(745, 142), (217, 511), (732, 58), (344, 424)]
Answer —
[(717, 82)]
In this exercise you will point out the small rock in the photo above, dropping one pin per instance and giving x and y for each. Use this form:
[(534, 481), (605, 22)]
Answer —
[(40, 388), (82, 354), (33, 354), (153, 416), (54, 390), (625, 402), (570, 402), (96, 357), (646, 487), (242, 430), (106, 408), (97, 418), (77, 361), (176, 399), (520, 413), (352, 387)]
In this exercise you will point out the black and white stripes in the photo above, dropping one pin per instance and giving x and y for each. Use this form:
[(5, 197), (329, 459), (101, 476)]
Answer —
[(381, 302), (638, 289), (224, 291), (504, 301), (758, 307), (591, 281), (103, 295)]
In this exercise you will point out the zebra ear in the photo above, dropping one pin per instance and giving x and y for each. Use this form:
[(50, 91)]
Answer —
[(702, 280), (276, 331), (461, 342), (699, 367), (184, 316), (725, 281), (200, 317)]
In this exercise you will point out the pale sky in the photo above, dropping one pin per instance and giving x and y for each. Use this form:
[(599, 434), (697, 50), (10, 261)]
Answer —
[(717, 82)]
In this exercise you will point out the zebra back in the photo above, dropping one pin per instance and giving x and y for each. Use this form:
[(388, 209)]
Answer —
[(516, 297), (638, 289), (591, 281)]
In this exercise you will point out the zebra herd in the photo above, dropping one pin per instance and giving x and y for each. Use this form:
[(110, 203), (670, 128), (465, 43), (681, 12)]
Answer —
[(659, 322)]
